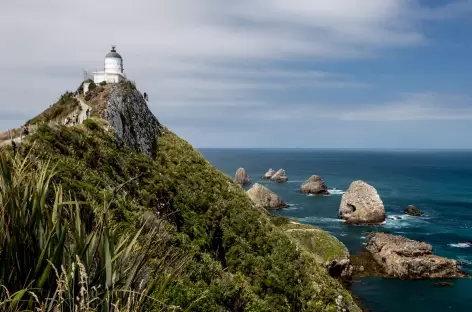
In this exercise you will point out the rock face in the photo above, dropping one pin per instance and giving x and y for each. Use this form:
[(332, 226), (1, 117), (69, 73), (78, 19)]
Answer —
[(361, 204), (134, 124), (269, 174), (408, 259), (413, 211), (241, 177), (314, 185), (279, 176), (265, 198)]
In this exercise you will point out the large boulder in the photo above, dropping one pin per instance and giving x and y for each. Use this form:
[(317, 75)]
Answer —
[(241, 177), (279, 176), (413, 211), (361, 204), (404, 258), (265, 198), (269, 174), (314, 185)]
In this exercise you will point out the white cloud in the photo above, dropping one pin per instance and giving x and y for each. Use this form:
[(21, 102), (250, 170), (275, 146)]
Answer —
[(207, 54)]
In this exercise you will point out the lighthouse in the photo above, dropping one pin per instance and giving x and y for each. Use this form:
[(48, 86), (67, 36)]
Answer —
[(113, 71)]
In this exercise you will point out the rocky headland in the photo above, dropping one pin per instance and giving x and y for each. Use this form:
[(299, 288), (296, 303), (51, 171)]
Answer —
[(314, 185), (404, 258), (361, 204)]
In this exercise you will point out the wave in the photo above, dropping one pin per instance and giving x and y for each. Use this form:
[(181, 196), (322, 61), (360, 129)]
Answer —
[(336, 192), (461, 245), (402, 221), (295, 181), (319, 220)]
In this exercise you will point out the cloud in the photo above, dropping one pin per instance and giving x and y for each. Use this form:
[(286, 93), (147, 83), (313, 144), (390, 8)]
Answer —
[(211, 62)]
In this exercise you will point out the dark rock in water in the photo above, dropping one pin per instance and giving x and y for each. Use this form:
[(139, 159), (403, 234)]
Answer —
[(314, 185), (413, 211), (340, 268), (241, 177), (444, 284), (404, 258), (269, 174), (361, 204), (279, 177)]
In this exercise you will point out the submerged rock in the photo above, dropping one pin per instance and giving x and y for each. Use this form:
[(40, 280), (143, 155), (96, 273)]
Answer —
[(279, 176), (269, 174), (265, 198), (404, 258), (413, 211), (314, 185), (361, 204), (241, 177)]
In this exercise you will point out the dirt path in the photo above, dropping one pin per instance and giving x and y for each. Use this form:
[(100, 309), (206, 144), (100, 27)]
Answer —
[(82, 116)]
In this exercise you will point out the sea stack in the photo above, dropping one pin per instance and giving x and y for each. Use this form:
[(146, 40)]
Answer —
[(269, 174), (361, 204), (404, 258), (314, 185), (241, 177), (279, 177), (265, 198)]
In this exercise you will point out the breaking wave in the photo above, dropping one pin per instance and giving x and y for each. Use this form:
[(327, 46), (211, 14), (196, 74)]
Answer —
[(461, 245)]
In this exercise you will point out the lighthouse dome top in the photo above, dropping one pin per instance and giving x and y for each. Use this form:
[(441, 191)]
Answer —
[(113, 53)]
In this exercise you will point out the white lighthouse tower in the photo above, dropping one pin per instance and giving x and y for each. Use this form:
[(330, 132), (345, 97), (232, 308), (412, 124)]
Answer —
[(113, 72)]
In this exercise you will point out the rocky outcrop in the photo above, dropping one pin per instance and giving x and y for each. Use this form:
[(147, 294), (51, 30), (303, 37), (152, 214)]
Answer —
[(413, 211), (128, 114), (241, 177), (265, 198), (279, 177), (404, 258), (314, 185), (269, 174), (361, 204), (326, 249)]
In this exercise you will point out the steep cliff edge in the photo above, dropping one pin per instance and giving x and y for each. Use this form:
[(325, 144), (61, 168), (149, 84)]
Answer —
[(134, 124), (236, 259)]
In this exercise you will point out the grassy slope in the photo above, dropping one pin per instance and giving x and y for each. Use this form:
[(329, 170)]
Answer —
[(238, 260)]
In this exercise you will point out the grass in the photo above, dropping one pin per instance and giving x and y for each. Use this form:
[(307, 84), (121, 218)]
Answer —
[(58, 111), (50, 261)]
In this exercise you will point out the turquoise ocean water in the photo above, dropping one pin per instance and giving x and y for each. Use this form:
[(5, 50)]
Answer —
[(438, 182)]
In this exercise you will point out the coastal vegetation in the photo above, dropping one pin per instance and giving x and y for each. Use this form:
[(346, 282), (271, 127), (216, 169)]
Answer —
[(90, 225)]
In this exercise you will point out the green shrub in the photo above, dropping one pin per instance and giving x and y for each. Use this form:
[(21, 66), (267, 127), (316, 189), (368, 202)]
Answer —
[(238, 259), (103, 83), (92, 86)]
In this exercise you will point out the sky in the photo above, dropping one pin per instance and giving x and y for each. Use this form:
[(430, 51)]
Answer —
[(257, 73)]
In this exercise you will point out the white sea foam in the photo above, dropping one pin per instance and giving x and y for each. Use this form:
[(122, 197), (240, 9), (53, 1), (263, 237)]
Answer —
[(401, 221), (319, 219), (336, 192), (461, 245), (295, 181)]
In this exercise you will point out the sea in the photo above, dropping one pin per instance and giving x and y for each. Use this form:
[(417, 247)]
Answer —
[(438, 182)]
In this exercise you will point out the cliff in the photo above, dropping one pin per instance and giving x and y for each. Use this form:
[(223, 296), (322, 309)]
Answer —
[(216, 251)]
